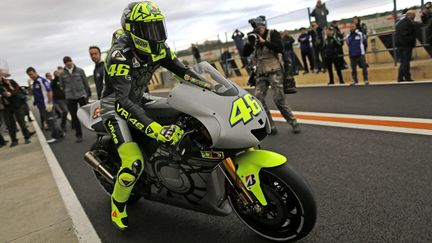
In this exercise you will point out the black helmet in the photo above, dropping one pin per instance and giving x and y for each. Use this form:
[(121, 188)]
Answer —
[(145, 23)]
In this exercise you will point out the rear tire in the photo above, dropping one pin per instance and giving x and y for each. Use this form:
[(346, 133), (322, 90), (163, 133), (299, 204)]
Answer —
[(291, 211)]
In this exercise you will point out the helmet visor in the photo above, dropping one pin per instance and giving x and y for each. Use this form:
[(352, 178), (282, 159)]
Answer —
[(152, 31)]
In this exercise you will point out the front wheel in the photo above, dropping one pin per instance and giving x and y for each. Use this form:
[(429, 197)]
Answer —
[(291, 211)]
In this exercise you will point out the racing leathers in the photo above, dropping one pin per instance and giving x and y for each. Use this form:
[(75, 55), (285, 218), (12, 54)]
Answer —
[(127, 74)]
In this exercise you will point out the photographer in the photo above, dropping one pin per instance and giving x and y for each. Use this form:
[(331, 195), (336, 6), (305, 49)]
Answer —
[(320, 13), (267, 46), (238, 36), (14, 109)]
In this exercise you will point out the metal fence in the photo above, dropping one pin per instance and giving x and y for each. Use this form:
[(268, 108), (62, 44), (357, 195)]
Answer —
[(391, 47)]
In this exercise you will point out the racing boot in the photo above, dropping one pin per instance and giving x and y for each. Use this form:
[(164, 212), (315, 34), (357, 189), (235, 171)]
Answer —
[(119, 214)]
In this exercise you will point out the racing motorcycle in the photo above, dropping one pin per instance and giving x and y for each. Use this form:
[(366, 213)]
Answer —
[(217, 166)]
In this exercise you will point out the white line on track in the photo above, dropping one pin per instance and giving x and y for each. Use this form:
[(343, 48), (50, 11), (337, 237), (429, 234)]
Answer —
[(361, 126), (362, 84), (83, 228), (369, 117)]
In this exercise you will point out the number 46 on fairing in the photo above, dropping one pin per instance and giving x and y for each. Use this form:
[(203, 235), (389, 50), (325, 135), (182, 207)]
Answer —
[(244, 109)]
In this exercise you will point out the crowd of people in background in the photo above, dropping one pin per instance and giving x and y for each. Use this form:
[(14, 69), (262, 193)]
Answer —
[(55, 95), (322, 46)]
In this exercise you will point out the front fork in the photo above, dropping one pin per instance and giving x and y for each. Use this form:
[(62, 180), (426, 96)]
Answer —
[(235, 181), (245, 176)]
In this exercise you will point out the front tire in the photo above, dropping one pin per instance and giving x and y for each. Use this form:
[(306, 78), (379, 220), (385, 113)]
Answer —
[(291, 211)]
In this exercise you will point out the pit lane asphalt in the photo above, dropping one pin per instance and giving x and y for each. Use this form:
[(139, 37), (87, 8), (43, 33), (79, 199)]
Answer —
[(401, 100), (370, 186)]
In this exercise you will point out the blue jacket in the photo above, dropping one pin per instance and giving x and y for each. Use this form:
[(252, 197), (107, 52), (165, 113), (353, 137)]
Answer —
[(304, 41), (40, 88), (356, 43)]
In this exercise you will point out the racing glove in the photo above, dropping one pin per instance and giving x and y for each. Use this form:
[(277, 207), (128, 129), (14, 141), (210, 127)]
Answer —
[(49, 108), (166, 134)]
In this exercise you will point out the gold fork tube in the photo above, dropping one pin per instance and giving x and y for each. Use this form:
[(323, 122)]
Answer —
[(230, 168)]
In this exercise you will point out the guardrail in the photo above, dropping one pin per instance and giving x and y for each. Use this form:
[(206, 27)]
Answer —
[(394, 49)]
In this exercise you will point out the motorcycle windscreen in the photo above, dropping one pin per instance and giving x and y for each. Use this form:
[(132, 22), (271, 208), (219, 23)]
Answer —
[(211, 79)]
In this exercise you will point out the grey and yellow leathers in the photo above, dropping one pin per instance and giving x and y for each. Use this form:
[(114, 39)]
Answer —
[(137, 50)]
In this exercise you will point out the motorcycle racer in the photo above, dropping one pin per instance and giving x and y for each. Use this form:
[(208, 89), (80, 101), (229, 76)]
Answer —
[(137, 50)]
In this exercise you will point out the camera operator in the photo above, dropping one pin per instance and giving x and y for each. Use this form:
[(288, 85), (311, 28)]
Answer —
[(267, 47)]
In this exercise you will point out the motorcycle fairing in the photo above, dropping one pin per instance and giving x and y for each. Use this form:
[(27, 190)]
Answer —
[(215, 111), (249, 166), (89, 116)]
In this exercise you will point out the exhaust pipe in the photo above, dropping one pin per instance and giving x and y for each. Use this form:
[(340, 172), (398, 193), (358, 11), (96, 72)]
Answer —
[(96, 164)]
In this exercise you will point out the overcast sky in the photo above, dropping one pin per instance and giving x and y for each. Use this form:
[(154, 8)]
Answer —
[(39, 33)]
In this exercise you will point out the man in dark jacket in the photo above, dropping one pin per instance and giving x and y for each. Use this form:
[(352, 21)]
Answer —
[(316, 34), (98, 72), (59, 98), (339, 34), (331, 52), (429, 33), (13, 100), (238, 37), (405, 42), (3, 142), (77, 91), (426, 13), (225, 60), (427, 21), (288, 55), (196, 53), (320, 13), (306, 50)]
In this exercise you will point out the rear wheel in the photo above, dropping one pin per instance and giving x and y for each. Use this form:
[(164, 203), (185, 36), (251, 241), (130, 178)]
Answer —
[(290, 213)]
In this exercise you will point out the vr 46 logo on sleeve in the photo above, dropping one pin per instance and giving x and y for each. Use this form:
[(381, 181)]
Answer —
[(127, 116), (244, 109)]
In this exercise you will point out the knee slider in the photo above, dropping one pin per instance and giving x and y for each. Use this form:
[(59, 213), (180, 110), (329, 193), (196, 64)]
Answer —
[(126, 177)]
